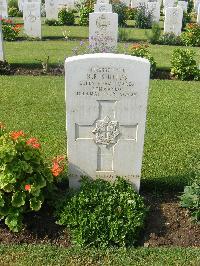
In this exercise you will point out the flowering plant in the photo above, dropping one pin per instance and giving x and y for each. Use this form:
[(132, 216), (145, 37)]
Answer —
[(24, 176), (10, 30), (191, 36)]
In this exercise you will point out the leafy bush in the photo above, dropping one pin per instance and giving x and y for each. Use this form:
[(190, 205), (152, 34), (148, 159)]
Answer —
[(123, 34), (183, 65), (191, 197), (52, 22), (5, 68), (104, 213), (143, 18), (154, 35), (14, 12), (10, 30), (23, 176), (84, 15), (186, 19), (121, 10), (170, 39), (190, 6), (191, 36), (66, 17), (131, 13), (142, 51), (13, 3)]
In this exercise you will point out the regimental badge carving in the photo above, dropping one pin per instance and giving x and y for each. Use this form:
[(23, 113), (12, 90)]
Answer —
[(31, 17), (106, 131)]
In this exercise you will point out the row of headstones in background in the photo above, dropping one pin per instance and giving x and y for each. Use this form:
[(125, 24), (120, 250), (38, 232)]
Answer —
[(103, 27), (106, 100)]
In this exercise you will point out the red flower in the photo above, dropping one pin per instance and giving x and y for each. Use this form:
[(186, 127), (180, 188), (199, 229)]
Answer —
[(16, 134), (58, 165), (33, 142), (27, 187)]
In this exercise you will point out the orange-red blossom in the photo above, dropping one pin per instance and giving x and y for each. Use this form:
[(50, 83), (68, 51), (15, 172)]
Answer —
[(58, 165), (27, 187), (33, 142), (16, 134)]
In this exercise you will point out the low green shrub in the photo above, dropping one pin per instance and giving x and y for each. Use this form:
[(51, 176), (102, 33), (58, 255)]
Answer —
[(183, 65), (5, 68), (66, 17), (121, 10), (170, 39), (191, 36), (186, 19), (14, 12), (190, 198), (142, 51), (131, 13), (154, 35), (13, 3), (143, 18), (84, 15), (52, 22), (24, 176), (104, 213)]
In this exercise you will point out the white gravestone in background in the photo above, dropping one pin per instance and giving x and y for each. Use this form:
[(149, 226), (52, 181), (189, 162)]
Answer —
[(32, 19), (66, 3), (168, 3), (198, 15), (103, 30), (154, 9), (51, 8), (101, 7), (3, 9), (196, 5), (173, 20), (2, 58), (138, 3), (106, 101), (126, 2), (183, 5)]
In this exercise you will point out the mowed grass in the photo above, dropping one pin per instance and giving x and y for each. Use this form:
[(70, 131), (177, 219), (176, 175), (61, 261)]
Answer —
[(36, 105), (57, 48), (49, 255)]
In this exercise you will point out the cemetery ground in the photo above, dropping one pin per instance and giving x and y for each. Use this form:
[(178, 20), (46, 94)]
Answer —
[(36, 105)]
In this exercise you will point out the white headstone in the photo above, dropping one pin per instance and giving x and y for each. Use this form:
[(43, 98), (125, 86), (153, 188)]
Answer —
[(154, 9), (138, 3), (51, 8), (173, 20), (183, 5), (168, 3), (126, 2), (102, 7), (198, 15), (103, 31), (3, 9), (32, 19), (106, 100), (2, 58), (196, 5), (66, 3)]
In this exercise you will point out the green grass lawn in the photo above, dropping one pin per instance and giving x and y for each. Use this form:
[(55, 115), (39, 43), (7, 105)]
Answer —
[(57, 48), (48, 255), (36, 105)]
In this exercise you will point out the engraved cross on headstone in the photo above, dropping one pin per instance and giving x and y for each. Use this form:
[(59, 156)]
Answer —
[(106, 131)]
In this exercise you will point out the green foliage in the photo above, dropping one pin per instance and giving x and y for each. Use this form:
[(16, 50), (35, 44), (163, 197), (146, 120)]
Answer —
[(52, 22), (14, 12), (10, 30), (104, 214), (191, 36), (143, 18), (131, 13), (170, 39), (4, 68), (154, 34), (184, 66), (142, 51), (84, 15), (190, 6), (121, 10), (191, 197), (23, 177), (123, 34), (66, 17), (186, 19), (13, 3)]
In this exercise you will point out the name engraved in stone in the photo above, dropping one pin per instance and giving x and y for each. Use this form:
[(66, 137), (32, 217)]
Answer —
[(106, 81)]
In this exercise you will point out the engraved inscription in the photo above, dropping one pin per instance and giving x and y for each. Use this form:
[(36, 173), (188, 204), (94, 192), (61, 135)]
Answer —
[(106, 81)]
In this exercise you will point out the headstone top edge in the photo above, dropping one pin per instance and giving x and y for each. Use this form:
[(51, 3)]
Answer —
[(106, 56)]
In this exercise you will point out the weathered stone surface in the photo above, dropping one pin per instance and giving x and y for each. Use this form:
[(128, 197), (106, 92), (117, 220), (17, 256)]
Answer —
[(106, 101), (173, 20)]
